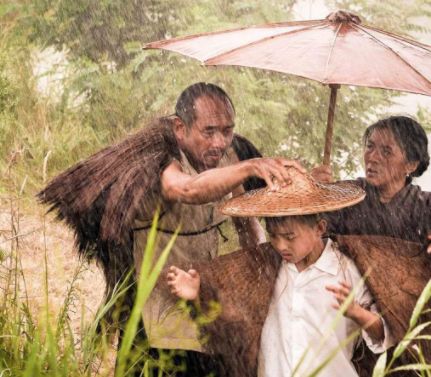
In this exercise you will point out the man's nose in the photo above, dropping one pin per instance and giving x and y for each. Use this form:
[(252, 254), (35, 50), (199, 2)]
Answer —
[(219, 141)]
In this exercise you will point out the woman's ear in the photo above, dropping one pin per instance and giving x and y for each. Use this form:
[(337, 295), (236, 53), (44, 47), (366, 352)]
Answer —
[(321, 227), (179, 128), (411, 167)]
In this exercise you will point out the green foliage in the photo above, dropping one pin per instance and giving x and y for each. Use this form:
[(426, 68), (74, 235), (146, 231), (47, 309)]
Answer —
[(100, 30), (111, 86), (413, 335), (33, 345)]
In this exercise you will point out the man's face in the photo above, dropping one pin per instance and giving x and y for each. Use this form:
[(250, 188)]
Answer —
[(207, 139)]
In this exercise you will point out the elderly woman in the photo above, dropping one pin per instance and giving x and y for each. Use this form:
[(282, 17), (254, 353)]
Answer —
[(395, 151)]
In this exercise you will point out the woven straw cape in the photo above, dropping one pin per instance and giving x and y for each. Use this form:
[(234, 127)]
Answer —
[(99, 198), (242, 283), (302, 197)]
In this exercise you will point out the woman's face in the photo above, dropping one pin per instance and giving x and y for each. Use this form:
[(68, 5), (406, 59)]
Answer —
[(385, 162)]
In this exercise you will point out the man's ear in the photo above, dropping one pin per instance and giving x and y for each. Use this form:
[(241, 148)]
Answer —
[(321, 227), (179, 128)]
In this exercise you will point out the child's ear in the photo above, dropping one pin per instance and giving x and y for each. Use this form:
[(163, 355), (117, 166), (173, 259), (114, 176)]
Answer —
[(321, 227)]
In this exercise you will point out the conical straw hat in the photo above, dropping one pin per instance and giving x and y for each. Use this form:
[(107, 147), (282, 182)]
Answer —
[(302, 197)]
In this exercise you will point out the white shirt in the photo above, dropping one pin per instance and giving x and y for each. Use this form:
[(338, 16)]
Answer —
[(300, 321)]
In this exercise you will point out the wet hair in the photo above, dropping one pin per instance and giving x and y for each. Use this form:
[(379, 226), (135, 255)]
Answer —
[(410, 136), (185, 107), (309, 220)]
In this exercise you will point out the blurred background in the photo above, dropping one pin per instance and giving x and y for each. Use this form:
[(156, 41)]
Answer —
[(73, 78)]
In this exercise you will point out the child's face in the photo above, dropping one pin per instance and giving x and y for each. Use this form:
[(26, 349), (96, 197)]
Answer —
[(294, 240)]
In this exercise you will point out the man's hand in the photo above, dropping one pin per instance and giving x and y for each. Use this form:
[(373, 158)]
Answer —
[(270, 169), (183, 284), (429, 244), (322, 173)]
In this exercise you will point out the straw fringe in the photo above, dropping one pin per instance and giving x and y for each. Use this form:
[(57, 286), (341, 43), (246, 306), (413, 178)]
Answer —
[(243, 282), (100, 196)]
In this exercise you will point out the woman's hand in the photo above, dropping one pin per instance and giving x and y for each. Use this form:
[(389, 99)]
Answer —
[(183, 284), (322, 174)]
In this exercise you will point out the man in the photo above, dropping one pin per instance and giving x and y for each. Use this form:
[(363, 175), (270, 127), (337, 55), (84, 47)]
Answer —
[(184, 163), (207, 171)]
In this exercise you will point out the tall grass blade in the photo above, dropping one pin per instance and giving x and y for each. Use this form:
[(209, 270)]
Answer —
[(380, 367), (333, 325), (333, 353), (424, 298), (147, 280), (415, 367), (409, 337)]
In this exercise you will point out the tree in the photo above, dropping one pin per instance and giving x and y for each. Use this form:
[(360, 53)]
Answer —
[(120, 87)]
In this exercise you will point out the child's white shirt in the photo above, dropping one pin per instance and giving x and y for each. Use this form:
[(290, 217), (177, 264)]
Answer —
[(300, 321)]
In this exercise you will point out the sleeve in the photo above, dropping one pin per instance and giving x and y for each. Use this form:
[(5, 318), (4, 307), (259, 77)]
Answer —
[(365, 299)]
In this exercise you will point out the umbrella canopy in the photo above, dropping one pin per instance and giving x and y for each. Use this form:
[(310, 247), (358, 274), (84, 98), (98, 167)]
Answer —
[(336, 50)]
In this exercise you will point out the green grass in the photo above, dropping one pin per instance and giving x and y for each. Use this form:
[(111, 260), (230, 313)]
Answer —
[(36, 343), (44, 345)]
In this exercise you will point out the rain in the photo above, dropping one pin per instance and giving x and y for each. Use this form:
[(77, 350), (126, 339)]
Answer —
[(215, 188)]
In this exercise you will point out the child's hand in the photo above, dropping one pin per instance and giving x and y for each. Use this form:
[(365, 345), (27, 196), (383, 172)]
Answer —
[(183, 284), (341, 292)]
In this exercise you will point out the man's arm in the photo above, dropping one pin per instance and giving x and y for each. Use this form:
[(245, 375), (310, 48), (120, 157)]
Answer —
[(213, 184)]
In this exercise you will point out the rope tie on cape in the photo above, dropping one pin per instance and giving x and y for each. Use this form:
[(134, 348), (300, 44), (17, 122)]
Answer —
[(188, 234)]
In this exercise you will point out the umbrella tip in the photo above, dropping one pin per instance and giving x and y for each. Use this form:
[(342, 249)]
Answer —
[(343, 16)]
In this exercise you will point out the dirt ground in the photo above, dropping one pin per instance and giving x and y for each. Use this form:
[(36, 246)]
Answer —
[(40, 235)]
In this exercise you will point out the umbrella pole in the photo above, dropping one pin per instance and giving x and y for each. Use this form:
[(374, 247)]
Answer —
[(330, 124)]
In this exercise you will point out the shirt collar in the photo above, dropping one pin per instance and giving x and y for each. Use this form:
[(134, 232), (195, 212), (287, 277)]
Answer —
[(328, 261)]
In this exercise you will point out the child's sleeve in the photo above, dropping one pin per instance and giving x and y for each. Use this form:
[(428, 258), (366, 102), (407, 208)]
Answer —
[(365, 299)]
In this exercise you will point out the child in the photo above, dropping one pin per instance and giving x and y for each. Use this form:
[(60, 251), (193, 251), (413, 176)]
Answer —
[(314, 280)]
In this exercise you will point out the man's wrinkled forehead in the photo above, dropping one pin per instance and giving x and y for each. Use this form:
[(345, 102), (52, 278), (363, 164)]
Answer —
[(213, 107)]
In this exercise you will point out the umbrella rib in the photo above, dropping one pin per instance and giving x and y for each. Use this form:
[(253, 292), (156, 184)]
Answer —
[(394, 52), (401, 38), (330, 52), (208, 61), (162, 42)]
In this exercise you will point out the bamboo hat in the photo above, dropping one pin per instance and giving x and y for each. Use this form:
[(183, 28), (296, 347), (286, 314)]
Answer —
[(303, 196)]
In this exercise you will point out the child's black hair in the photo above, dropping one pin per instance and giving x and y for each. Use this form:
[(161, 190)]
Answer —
[(310, 220)]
